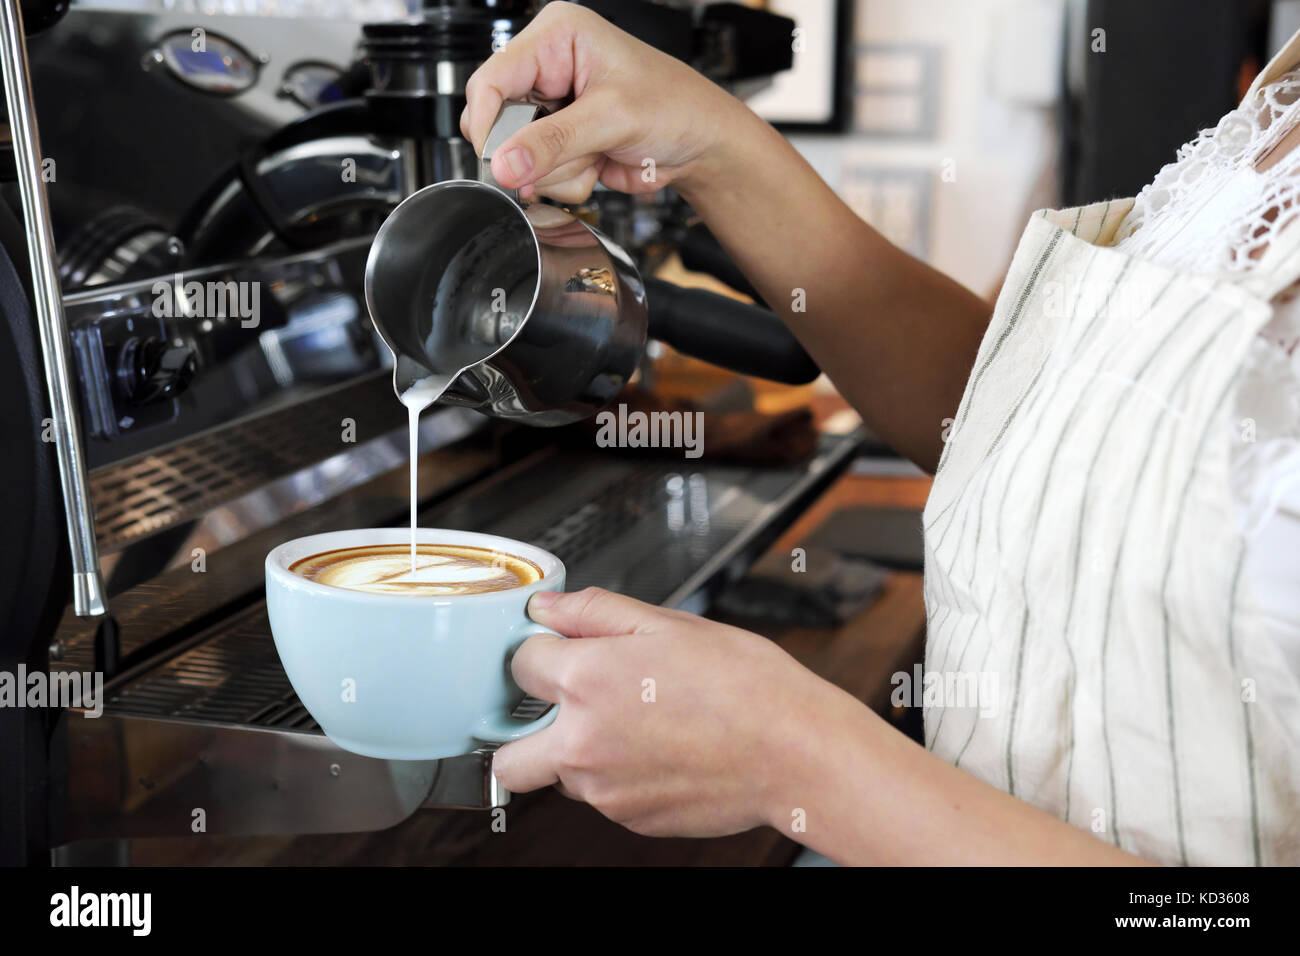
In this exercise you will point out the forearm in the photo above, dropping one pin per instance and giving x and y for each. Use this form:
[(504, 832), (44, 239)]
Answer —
[(871, 796), (897, 337)]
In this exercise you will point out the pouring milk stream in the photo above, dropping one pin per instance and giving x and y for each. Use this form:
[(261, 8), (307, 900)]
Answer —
[(523, 312), (416, 399)]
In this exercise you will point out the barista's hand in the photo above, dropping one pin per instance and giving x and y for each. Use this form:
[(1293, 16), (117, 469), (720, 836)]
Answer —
[(669, 724), (640, 119)]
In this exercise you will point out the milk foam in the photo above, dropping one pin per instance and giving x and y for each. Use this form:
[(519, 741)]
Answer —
[(440, 570), (396, 570)]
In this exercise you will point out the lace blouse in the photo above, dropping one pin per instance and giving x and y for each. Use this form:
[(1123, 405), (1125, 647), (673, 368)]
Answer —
[(1213, 211)]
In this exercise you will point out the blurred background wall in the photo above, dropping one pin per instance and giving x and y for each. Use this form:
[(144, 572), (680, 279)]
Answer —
[(964, 117)]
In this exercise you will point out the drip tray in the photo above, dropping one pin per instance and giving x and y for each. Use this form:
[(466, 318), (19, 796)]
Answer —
[(667, 532), (231, 675)]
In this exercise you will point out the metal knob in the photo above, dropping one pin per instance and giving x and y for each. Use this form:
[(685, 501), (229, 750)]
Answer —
[(151, 370)]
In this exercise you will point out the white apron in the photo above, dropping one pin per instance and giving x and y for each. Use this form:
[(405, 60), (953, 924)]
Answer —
[(1082, 552)]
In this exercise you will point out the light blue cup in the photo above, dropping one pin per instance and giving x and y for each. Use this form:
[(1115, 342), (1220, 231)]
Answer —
[(398, 676)]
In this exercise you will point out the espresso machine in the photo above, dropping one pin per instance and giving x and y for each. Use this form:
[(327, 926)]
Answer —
[(191, 378)]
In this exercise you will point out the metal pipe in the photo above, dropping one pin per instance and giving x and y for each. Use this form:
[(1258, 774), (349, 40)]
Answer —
[(87, 585)]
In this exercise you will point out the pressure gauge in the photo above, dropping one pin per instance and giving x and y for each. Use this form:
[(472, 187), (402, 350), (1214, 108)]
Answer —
[(311, 84), (205, 61)]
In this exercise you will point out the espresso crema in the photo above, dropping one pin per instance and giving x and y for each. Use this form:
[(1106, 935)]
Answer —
[(439, 569)]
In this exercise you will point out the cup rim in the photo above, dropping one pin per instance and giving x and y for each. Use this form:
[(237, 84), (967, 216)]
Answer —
[(277, 561)]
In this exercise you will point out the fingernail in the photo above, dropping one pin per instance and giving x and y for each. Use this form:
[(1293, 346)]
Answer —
[(543, 599), (520, 163)]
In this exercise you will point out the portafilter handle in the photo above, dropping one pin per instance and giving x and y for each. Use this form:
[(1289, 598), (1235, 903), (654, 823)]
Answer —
[(734, 335)]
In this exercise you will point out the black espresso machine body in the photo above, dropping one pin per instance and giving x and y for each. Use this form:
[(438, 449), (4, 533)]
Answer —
[(213, 184)]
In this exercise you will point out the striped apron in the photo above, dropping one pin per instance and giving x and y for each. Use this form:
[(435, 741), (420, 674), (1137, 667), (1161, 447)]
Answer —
[(1083, 556)]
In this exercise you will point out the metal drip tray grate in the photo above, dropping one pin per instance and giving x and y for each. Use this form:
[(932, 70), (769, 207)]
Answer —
[(654, 530), (234, 677), (184, 481)]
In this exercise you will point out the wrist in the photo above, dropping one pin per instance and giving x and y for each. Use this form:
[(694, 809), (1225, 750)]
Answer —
[(734, 131), (801, 754)]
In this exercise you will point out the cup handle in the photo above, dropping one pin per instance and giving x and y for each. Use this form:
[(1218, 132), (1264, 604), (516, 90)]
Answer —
[(502, 728)]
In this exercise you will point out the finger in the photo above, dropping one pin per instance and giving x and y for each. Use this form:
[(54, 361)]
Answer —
[(567, 189), (526, 764), (593, 612), (572, 183), (591, 125), (629, 179), (574, 169), (538, 664), (540, 59)]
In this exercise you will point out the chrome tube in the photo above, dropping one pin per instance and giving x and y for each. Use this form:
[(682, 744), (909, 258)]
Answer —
[(87, 585)]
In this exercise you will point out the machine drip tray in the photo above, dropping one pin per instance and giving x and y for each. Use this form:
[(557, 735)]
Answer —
[(216, 721), (665, 531)]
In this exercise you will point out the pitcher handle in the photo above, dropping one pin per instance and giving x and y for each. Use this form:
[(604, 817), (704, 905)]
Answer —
[(513, 116)]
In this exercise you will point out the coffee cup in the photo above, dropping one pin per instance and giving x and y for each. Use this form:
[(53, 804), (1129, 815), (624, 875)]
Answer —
[(406, 676)]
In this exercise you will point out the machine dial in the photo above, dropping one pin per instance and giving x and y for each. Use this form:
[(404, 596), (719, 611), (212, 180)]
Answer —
[(152, 370)]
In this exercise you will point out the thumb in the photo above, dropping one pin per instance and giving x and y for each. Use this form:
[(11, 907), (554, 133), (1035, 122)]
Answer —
[(587, 127), (593, 612)]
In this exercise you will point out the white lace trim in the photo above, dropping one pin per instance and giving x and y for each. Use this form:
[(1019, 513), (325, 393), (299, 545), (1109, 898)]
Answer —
[(1210, 211), (1202, 170)]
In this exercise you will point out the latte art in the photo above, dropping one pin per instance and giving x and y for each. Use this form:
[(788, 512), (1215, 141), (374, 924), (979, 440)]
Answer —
[(439, 569)]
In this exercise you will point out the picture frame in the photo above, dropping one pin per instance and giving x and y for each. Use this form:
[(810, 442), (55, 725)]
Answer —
[(815, 96)]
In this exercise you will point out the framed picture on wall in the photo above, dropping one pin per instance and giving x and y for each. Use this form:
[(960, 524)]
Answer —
[(815, 95)]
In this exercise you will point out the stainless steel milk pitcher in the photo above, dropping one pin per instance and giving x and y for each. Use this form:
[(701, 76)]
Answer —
[(528, 313)]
